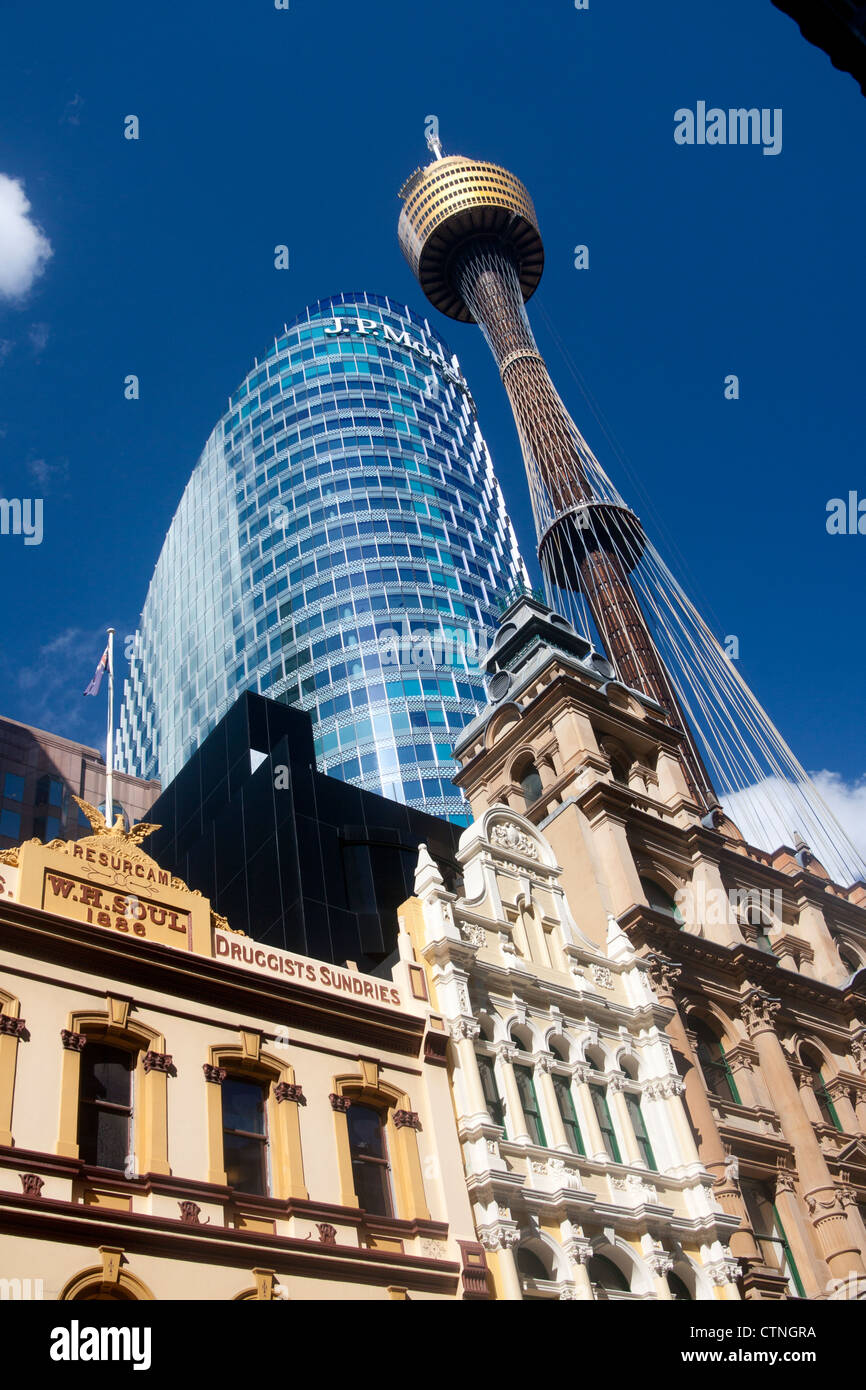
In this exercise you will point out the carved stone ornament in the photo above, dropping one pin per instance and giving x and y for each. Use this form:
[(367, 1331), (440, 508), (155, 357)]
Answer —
[(158, 1061), (858, 1050), (663, 974), (634, 1188), (660, 1262), (287, 1090), (434, 1249), (615, 1081), (724, 1271), (665, 1088), (327, 1233), (339, 1103), (465, 1028), (544, 1062), (12, 1027), (786, 1180), (578, 1250), (602, 975), (73, 1042), (472, 932), (758, 1012), (215, 1075), (31, 1184), (190, 1213), (406, 1119), (510, 836), (506, 1052), (500, 1238)]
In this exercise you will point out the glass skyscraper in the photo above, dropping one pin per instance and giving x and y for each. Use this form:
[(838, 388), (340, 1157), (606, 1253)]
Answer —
[(343, 546)]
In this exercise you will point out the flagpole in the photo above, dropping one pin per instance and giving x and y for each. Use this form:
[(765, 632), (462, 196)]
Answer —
[(109, 742)]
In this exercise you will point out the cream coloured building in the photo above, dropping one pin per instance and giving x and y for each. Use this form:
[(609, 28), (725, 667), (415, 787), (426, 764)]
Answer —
[(758, 957), (186, 1114), (583, 1172)]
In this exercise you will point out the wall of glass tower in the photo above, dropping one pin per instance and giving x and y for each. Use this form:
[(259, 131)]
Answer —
[(343, 546)]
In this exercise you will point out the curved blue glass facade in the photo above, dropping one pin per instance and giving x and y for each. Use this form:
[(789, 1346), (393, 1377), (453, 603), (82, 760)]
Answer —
[(342, 545)]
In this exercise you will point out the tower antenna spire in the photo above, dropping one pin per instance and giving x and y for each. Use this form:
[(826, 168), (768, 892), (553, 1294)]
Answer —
[(434, 144)]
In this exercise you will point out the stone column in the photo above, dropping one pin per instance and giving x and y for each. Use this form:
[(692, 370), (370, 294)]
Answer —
[(515, 1123), (466, 1074), (501, 1241), (661, 1264), (588, 1120), (826, 1212), (711, 1149), (579, 1252), (841, 1098), (622, 1121), (667, 1093), (553, 1126)]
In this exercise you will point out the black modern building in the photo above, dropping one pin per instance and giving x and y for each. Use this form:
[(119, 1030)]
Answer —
[(837, 26), (290, 856)]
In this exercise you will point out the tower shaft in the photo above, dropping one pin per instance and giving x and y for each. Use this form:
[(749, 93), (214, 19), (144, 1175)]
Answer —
[(580, 544)]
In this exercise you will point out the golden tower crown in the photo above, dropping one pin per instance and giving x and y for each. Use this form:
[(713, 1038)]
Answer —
[(450, 203)]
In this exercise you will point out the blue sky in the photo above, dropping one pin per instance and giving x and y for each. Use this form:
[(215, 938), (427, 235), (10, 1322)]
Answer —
[(261, 127)]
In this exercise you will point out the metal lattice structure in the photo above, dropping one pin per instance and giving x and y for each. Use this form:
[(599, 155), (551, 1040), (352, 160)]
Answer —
[(469, 231)]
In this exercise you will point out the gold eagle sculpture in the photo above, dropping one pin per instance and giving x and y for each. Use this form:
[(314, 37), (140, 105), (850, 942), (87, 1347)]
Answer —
[(134, 835)]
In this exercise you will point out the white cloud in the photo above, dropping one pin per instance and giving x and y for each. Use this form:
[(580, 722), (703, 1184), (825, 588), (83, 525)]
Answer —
[(38, 333), (773, 811), (24, 247)]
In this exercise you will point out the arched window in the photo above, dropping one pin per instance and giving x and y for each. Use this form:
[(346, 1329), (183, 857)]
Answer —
[(819, 1089), (849, 958), (245, 1138), (635, 1114), (619, 770), (529, 1105), (105, 1106), (679, 1291), (371, 1169), (568, 1115), (530, 784), (606, 1277), (605, 1123), (492, 1098), (714, 1063), (531, 1265), (659, 899)]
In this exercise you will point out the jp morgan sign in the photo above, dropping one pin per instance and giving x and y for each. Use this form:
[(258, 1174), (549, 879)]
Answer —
[(374, 328)]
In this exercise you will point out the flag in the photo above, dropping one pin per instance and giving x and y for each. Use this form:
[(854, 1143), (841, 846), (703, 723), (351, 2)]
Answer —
[(93, 688)]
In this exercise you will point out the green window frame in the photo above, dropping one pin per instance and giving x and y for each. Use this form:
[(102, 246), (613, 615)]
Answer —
[(490, 1090), (605, 1122), (825, 1100), (716, 1067), (638, 1124), (568, 1114), (529, 1103)]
